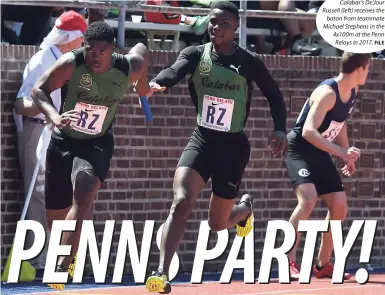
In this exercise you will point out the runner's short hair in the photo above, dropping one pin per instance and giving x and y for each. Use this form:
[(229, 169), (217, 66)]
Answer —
[(352, 61), (100, 31), (226, 5)]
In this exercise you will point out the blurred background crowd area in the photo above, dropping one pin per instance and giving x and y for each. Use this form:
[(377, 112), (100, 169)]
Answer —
[(28, 25)]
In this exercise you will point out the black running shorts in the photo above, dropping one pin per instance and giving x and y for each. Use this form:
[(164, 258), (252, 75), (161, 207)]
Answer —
[(311, 165), (223, 157), (66, 158)]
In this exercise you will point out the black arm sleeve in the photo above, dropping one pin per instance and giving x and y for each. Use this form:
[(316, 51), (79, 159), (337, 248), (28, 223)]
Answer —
[(270, 90), (185, 64)]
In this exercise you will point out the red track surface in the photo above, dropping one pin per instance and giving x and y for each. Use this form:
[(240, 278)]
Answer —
[(375, 286)]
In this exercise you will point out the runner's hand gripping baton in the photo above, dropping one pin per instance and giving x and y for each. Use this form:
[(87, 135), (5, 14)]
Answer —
[(146, 107)]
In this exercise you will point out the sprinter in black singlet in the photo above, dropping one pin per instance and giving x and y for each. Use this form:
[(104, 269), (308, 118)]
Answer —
[(220, 84), (309, 163)]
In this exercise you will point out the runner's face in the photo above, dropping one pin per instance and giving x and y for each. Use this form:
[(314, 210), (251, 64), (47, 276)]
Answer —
[(98, 55), (363, 74), (222, 26)]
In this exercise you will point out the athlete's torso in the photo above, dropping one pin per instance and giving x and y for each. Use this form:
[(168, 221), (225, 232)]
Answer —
[(96, 96), (221, 89), (333, 121)]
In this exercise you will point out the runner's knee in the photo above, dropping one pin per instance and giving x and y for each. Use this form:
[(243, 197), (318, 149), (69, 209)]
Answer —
[(85, 182), (307, 206), (187, 185), (86, 186), (307, 197), (216, 226), (183, 204), (338, 207), (339, 212)]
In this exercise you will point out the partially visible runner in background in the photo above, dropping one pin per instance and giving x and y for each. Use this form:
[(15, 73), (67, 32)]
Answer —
[(313, 174)]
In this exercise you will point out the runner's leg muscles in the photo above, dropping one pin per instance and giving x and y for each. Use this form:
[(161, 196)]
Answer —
[(59, 214), (187, 185), (338, 209), (307, 198), (239, 212), (226, 180), (219, 213), (58, 187), (86, 185), (224, 214)]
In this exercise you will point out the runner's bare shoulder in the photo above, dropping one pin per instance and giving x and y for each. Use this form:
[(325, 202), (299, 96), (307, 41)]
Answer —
[(66, 63), (323, 94), (58, 74)]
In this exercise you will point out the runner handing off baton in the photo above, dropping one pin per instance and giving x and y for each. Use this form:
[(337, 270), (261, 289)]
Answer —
[(143, 97), (220, 86)]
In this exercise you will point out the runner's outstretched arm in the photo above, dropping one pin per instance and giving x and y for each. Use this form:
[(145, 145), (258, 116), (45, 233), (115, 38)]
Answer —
[(139, 60), (54, 78), (185, 64), (270, 90)]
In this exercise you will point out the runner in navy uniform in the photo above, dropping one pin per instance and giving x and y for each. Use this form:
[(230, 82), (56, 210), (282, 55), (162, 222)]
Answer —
[(310, 146)]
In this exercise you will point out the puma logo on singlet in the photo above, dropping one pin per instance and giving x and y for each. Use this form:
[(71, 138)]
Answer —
[(100, 149), (116, 84), (233, 185), (235, 68)]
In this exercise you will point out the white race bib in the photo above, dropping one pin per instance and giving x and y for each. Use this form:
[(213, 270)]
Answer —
[(91, 118), (333, 130), (217, 113)]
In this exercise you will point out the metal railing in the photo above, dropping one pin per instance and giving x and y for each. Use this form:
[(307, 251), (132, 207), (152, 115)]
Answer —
[(124, 6)]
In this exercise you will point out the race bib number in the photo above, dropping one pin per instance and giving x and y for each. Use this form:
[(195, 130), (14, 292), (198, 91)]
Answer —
[(217, 113), (333, 130), (91, 118)]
